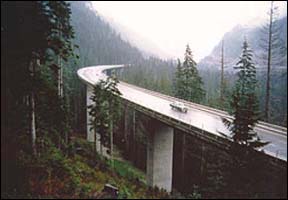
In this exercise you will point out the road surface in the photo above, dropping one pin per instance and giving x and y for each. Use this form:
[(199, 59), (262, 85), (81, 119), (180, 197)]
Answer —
[(199, 116)]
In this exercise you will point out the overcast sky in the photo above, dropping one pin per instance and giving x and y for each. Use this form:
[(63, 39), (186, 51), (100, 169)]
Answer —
[(171, 25)]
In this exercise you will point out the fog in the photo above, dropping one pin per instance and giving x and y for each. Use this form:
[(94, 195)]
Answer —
[(171, 25)]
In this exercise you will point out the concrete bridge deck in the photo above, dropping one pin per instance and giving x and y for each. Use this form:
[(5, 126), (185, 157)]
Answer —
[(201, 117), (200, 121)]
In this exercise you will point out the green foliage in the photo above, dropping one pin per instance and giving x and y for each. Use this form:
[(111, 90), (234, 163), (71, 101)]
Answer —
[(57, 175), (194, 195), (99, 112), (188, 84), (152, 73), (179, 81), (113, 97), (245, 103), (274, 51), (124, 193), (105, 107), (93, 33), (246, 114), (128, 171), (36, 32)]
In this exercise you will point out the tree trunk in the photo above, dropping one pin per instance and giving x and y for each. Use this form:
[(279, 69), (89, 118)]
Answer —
[(222, 76), (60, 78), (60, 87), (32, 108), (101, 145), (95, 142), (267, 98), (60, 71), (33, 123), (111, 143)]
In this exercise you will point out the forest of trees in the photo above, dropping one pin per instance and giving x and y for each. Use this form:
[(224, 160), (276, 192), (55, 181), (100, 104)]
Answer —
[(43, 102), (218, 78), (43, 44), (32, 73), (100, 44)]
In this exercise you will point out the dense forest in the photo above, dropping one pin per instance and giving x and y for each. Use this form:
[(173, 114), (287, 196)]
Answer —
[(44, 151), (44, 102), (100, 44), (210, 70)]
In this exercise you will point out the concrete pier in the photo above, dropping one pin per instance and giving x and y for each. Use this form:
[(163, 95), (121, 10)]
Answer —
[(160, 156)]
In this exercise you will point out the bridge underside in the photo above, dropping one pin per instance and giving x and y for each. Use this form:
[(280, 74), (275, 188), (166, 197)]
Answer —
[(196, 164), (159, 150)]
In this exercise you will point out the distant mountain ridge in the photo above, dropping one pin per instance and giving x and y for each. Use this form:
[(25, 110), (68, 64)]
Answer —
[(233, 41)]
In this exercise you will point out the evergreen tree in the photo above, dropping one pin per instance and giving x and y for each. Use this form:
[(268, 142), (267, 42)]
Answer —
[(31, 44), (113, 94), (245, 103), (105, 110), (245, 114), (98, 112), (188, 82), (178, 81)]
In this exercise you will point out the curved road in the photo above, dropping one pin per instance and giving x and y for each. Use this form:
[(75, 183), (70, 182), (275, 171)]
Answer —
[(199, 116)]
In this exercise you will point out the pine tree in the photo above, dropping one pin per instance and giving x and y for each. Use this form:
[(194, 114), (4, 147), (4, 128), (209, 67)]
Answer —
[(33, 25), (99, 113), (188, 82), (178, 82), (244, 103), (105, 110), (245, 112), (113, 94)]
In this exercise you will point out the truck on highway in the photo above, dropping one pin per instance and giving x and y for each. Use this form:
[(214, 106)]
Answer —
[(179, 106)]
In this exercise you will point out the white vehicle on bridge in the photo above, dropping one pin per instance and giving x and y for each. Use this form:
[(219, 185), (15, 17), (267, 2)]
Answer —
[(179, 106)]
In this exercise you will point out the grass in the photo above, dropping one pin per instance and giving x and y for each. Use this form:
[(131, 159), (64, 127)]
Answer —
[(127, 170), (80, 174), (76, 172)]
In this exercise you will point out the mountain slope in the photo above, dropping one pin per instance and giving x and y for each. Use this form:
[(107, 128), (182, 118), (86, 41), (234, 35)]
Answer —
[(98, 44), (209, 68), (233, 41)]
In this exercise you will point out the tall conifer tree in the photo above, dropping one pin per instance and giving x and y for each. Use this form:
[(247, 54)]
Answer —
[(245, 102), (188, 82)]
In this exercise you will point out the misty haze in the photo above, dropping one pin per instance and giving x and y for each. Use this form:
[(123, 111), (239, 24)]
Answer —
[(104, 99)]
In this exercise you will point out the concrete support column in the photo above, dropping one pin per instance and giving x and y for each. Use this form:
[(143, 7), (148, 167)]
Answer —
[(160, 156), (90, 134)]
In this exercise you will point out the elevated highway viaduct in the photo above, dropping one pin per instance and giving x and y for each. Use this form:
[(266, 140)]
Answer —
[(203, 122)]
